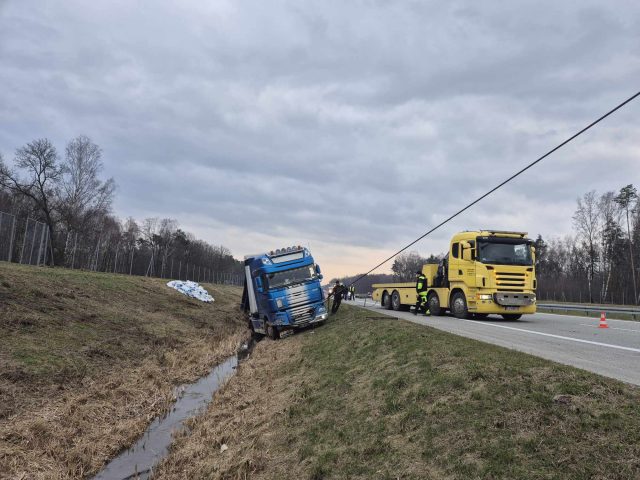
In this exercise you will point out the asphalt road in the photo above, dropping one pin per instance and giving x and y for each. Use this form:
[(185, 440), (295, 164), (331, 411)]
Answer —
[(577, 341)]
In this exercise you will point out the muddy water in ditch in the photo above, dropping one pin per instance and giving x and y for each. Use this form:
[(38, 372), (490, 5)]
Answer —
[(138, 461)]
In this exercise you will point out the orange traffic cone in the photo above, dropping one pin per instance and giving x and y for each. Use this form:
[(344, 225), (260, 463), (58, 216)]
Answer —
[(603, 321)]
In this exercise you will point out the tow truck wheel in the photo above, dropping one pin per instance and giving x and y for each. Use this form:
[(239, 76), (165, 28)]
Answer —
[(459, 305), (386, 301), (395, 301), (511, 316), (434, 304), (272, 332)]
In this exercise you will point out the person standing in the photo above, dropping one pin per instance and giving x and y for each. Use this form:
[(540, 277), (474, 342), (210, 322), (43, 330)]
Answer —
[(352, 292), (337, 292), (421, 291)]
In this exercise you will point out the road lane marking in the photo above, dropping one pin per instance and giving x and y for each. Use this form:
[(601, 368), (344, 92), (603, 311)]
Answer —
[(579, 340), (610, 328)]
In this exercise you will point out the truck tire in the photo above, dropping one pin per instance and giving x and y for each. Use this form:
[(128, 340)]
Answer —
[(511, 316), (434, 304), (385, 302), (459, 305), (395, 301), (272, 332)]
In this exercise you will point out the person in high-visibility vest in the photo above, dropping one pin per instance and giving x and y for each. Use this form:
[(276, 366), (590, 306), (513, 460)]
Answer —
[(352, 292), (421, 290)]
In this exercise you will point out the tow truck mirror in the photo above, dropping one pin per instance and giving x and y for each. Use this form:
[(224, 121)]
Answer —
[(259, 284), (466, 251)]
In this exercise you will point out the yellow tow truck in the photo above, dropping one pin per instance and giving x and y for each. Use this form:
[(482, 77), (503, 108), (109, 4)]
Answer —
[(485, 272)]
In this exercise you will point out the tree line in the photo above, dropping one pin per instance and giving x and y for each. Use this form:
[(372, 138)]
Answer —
[(599, 262), (67, 194)]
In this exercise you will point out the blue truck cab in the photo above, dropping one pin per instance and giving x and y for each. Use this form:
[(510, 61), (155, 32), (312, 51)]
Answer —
[(282, 291)]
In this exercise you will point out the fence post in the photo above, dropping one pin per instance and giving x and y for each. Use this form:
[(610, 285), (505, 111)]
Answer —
[(131, 261), (13, 232), (115, 262), (75, 245), (33, 241), (24, 240), (40, 247)]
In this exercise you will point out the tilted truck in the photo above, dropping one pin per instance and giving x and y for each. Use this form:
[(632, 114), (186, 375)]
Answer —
[(485, 272), (282, 291)]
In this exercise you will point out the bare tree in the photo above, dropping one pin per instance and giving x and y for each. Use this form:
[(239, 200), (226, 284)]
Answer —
[(83, 194), (35, 177), (626, 199), (609, 236), (587, 222)]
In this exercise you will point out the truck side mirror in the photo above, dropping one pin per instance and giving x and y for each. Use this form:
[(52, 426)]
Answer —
[(533, 254), (466, 251), (259, 284), (318, 270)]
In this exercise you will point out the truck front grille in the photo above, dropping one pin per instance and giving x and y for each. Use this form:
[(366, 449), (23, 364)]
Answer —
[(510, 281), (302, 315)]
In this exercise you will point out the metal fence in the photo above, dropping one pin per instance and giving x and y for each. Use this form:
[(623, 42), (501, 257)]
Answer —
[(24, 241), (27, 241)]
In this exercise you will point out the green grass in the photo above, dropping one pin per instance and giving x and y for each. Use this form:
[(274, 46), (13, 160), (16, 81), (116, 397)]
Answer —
[(58, 326), (389, 399)]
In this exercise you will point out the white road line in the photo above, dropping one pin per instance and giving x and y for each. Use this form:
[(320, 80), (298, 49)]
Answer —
[(610, 328), (619, 347)]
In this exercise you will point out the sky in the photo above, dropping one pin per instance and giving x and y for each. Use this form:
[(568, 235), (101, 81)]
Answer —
[(351, 127)]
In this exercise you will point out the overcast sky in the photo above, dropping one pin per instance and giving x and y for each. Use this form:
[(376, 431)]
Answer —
[(351, 127)]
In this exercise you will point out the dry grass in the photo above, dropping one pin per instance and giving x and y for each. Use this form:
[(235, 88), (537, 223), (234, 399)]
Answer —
[(87, 360), (364, 399)]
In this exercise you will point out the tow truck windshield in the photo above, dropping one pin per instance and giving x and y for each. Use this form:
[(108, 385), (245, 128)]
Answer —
[(290, 277), (504, 252)]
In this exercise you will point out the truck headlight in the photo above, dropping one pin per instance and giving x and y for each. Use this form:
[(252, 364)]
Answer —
[(485, 296), (279, 302)]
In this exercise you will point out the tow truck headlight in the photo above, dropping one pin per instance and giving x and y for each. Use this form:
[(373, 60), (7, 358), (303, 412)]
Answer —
[(279, 302), (485, 296)]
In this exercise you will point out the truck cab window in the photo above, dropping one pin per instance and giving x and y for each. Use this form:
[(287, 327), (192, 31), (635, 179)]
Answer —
[(454, 249)]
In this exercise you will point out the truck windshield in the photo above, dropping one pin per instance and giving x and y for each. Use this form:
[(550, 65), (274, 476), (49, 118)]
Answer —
[(289, 277), (504, 253)]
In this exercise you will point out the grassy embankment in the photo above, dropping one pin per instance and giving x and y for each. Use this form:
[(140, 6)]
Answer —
[(363, 398), (88, 359)]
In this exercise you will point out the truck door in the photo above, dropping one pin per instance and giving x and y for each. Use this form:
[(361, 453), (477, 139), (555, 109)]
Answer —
[(467, 262), (455, 270), (461, 262)]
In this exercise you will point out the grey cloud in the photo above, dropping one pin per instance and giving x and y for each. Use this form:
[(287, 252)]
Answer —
[(359, 123)]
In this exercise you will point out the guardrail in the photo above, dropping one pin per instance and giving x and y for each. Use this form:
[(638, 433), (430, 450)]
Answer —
[(590, 308)]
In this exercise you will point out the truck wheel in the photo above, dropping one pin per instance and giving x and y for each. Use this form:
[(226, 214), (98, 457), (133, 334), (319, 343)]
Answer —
[(459, 305), (395, 301), (434, 304), (272, 332), (386, 301), (511, 316)]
